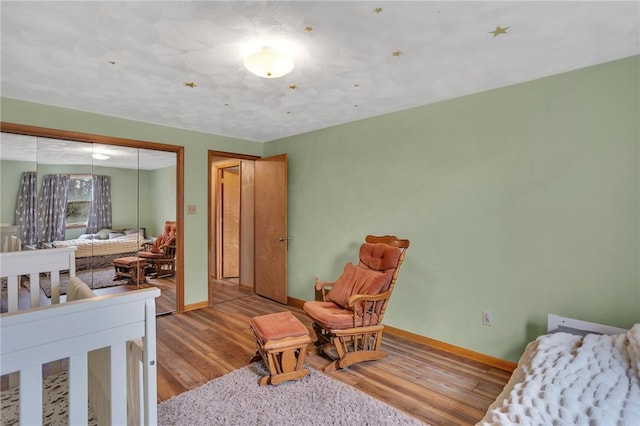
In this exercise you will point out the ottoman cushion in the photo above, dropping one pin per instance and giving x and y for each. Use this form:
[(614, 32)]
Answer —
[(278, 326)]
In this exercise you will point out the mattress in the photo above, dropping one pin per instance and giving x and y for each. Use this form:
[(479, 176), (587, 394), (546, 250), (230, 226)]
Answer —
[(95, 247), (565, 379)]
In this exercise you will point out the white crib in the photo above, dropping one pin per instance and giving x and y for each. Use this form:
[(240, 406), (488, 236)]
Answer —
[(109, 341)]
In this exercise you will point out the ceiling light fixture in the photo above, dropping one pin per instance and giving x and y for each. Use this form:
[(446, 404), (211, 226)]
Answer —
[(99, 156), (269, 63)]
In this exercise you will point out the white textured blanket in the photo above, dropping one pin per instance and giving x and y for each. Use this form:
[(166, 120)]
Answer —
[(85, 248), (563, 379)]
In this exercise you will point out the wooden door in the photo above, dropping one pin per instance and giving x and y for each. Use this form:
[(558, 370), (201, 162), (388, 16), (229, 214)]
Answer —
[(230, 188), (271, 238)]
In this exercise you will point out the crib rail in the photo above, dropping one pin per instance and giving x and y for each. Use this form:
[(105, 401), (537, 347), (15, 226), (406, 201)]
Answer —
[(14, 265), (35, 337)]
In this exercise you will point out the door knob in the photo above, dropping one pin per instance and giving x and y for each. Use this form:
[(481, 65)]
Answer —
[(282, 239)]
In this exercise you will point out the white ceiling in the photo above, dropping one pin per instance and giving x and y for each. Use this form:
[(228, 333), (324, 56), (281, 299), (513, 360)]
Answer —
[(54, 151), (60, 53)]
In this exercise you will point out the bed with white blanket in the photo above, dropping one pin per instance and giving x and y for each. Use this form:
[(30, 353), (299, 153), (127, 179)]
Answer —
[(92, 253), (573, 376), (100, 348)]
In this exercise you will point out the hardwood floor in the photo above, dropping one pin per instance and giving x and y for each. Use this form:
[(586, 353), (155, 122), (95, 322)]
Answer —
[(429, 384)]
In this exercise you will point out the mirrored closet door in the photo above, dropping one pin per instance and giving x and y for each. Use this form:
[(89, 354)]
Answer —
[(114, 204)]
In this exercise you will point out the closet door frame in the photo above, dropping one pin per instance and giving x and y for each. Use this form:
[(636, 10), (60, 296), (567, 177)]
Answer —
[(132, 143)]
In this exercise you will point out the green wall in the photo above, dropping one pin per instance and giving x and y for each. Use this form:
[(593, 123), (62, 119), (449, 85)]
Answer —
[(522, 201), (163, 205), (196, 145), (10, 175)]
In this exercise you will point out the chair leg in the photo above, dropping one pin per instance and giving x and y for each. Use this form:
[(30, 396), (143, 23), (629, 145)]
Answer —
[(351, 348)]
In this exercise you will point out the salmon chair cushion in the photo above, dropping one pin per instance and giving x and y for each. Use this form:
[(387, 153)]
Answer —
[(161, 242), (334, 317), (358, 280), (379, 257), (158, 249)]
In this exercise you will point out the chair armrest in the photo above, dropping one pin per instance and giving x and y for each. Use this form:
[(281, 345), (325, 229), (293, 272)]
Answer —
[(366, 305), (162, 247), (170, 243), (324, 287), (321, 285), (146, 245), (356, 298)]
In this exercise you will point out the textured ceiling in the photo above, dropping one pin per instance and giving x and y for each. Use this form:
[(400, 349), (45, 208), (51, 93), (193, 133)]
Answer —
[(54, 151), (132, 59)]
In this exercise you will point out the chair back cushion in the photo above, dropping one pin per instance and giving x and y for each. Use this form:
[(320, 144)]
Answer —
[(168, 236), (170, 228), (379, 256), (161, 241), (358, 279)]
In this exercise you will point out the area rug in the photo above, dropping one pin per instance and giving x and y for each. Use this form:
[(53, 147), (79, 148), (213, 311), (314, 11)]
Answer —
[(97, 278), (317, 399), (55, 395)]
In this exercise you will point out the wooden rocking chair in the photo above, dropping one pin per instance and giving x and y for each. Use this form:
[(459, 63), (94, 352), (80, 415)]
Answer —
[(161, 254), (348, 321)]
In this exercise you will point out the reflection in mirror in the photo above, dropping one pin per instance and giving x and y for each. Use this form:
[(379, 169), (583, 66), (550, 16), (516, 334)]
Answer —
[(17, 170), (59, 193)]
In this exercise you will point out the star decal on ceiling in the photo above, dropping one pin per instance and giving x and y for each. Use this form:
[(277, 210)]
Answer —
[(190, 84), (293, 86), (378, 10), (499, 30), (308, 29), (396, 53)]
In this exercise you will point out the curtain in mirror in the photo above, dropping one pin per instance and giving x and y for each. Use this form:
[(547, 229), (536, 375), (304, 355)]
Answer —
[(52, 205), (26, 205), (100, 207)]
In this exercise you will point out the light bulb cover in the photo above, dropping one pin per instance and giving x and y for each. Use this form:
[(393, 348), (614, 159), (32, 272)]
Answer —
[(99, 156), (269, 63)]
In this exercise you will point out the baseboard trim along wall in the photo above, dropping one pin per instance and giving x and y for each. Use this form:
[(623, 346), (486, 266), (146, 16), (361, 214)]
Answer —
[(452, 349), (194, 306)]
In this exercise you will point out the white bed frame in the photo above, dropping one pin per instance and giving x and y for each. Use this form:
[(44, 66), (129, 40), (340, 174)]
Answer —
[(116, 332), (554, 321)]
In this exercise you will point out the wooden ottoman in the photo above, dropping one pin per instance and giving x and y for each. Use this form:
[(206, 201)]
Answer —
[(281, 341), (130, 267)]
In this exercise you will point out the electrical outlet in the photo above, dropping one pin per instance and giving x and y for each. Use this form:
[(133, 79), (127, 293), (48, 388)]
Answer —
[(487, 318), (191, 209)]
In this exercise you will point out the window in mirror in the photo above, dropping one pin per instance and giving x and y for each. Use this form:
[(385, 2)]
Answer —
[(79, 201)]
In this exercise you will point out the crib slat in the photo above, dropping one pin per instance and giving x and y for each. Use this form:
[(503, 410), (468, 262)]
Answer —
[(34, 289), (78, 390), (118, 384), (150, 379), (12, 293), (135, 398), (31, 396), (55, 287)]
